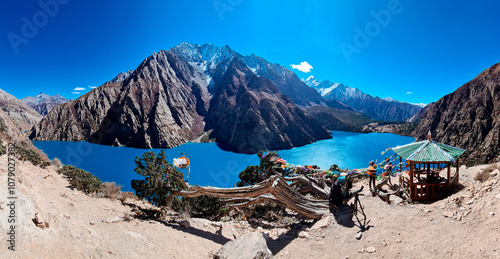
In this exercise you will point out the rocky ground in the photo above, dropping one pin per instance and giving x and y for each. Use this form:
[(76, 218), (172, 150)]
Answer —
[(74, 225)]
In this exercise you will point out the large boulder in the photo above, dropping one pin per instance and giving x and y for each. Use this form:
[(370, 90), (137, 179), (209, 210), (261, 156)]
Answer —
[(251, 245)]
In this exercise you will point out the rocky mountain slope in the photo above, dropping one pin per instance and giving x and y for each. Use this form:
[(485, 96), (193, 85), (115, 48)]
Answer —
[(121, 77), (207, 57), (43, 103), (416, 118), (375, 107), (339, 119), (24, 115), (248, 113), (166, 102), (154, 107), (468, 118)]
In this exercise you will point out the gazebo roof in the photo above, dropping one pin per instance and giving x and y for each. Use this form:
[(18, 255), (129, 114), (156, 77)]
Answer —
[(428, 151)]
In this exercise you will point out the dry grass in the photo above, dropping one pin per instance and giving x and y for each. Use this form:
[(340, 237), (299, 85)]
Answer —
[(57, 163), (111, 190), (127, 195), (484, 175)]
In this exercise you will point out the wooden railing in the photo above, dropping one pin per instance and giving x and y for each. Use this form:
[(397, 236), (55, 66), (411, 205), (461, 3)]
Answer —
[(427, 191)]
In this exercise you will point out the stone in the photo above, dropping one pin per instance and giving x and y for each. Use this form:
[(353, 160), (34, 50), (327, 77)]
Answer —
[(92, 223), (251, 245), (47, 225), (492, 213), (40, 225), (114, 220), (371, 249), (303, 234), (322, 223), (359, 235), (448, 214), (185, 223), (39, 217)]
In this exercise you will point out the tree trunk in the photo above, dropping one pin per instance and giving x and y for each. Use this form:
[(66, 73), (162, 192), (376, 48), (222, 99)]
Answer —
[(275, 189)]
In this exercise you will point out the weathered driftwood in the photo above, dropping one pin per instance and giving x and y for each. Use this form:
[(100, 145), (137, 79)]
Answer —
[(275, 189), (400, 192)]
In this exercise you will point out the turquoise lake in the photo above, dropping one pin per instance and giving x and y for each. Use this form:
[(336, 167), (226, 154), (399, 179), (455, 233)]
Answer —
[(213, 166)]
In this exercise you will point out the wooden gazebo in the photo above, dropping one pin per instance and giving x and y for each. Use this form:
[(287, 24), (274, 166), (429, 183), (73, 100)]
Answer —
[(427, 160)]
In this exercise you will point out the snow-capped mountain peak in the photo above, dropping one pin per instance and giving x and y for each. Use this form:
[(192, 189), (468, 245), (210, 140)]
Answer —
[(311, 81)]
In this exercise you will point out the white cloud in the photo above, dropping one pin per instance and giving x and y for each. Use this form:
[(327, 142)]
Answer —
[(303, 67), (79, 89), (408, 93), (76, 93), (92, 87)]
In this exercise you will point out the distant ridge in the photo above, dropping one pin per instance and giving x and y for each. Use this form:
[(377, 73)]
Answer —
[(386, 109), (43, 103)]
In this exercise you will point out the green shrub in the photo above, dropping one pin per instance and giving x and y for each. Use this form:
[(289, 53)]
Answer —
[(160, 178), (28, 154), (81, 180), (201, 207), (257, 173)]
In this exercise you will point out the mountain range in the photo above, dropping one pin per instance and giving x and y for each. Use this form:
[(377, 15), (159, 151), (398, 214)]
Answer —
[(468, 118), (386, 109), (177, 95), (43, 103)]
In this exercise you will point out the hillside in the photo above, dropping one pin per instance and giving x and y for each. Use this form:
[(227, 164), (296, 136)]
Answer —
[(83, 226), (339, 119), (468, 118)]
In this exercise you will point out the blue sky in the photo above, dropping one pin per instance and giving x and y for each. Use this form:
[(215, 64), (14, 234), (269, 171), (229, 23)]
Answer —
[(415, 51)]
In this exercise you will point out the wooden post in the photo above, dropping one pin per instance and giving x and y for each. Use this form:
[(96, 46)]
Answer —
[(449, 178), (412, 192)]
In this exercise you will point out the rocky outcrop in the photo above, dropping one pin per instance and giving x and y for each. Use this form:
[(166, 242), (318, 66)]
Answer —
[(248, 113), (24, 115), (43, 103), (375, 107), (468, 118), (121, 77)]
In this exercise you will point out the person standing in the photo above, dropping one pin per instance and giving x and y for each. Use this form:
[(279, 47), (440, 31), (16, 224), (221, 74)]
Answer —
[(372, 172)]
